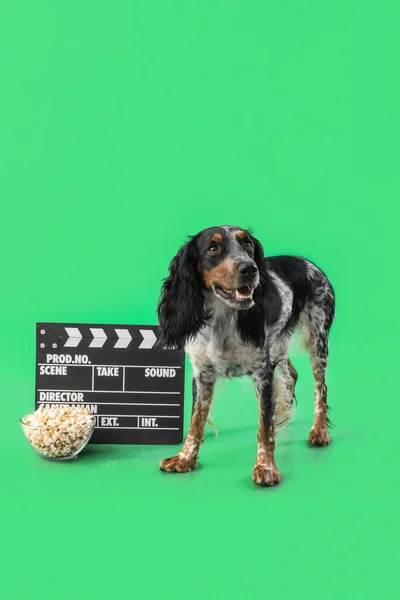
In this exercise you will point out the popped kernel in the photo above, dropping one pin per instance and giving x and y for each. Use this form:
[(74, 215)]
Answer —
[(59, 431)]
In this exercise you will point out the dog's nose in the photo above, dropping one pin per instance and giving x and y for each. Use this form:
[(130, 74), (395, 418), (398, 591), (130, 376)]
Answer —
[(248, 269)]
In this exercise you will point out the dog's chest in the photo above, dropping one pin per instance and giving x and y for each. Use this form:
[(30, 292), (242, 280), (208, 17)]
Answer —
[(218, 347)]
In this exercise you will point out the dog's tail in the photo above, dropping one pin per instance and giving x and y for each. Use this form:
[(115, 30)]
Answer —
[(284, 409)]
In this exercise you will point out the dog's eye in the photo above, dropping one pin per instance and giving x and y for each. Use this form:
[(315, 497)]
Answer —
[(213, 250), (248, 245)]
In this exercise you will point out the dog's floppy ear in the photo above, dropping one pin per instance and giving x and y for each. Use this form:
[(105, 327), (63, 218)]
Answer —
[(259, 259), (251, 321), (181, 305)]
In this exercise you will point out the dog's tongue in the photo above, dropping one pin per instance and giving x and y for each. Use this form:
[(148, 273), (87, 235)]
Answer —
[(240, 293), (236, 295), (244, 290)]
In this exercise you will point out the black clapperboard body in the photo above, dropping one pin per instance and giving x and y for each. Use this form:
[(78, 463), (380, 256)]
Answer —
[(134, 390)]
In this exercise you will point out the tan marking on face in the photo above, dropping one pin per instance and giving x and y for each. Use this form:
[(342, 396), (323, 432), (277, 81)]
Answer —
[(217, 237), (241, 235), (224, 274)]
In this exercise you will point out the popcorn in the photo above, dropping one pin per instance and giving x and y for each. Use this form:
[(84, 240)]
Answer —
[(59, 431)]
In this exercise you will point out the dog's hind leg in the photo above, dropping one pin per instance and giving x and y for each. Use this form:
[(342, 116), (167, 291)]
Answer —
[(318, 320), (318, 349), (293, 373), (285, 382)]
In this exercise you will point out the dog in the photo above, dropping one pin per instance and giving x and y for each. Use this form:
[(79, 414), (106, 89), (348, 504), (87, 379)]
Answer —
[(234, 312)]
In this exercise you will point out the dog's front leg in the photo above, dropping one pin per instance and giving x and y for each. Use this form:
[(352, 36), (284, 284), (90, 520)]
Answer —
[(265, 472), (187, 458)]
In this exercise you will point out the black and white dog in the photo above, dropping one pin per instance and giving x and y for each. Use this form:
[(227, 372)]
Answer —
[(234, 311)]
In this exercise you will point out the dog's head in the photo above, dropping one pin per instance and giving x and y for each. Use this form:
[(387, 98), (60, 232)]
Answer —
[(224, 263)]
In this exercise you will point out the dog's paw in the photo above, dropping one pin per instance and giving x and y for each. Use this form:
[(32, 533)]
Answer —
[(178, 464), (266, 475), (319, 437)]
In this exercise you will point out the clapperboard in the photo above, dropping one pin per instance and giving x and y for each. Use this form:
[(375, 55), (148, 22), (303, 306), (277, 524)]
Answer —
[(134, 390)]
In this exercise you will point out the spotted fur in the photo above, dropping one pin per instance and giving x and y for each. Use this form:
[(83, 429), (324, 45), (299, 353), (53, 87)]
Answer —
[(234, 311)]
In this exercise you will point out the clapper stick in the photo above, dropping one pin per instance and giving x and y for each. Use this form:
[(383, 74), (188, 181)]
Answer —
[(134, 390)]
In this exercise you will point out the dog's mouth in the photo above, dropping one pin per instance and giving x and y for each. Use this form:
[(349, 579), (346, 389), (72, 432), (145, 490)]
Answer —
[(241, 294)]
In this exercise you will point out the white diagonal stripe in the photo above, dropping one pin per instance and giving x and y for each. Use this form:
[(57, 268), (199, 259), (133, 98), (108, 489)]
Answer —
[(74, 337), (124, 338), (149, 339), (99, 337)]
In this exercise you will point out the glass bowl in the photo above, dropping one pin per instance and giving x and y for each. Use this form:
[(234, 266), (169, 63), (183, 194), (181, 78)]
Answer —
[(60, 442)]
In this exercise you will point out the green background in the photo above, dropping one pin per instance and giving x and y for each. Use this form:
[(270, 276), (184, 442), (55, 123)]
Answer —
[(126, 125)]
